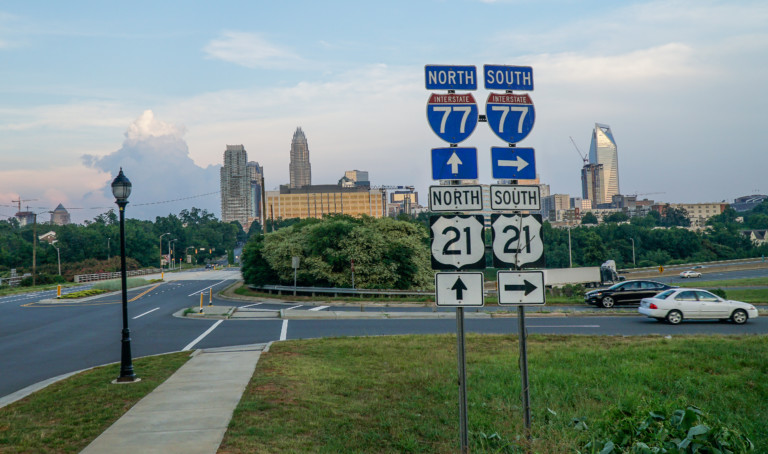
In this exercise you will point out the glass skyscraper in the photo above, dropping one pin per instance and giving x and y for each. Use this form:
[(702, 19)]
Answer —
[(603, 151)]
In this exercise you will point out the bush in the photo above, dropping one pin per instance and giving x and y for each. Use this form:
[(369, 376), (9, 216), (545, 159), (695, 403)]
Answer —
[(719, 292), (43, 279)]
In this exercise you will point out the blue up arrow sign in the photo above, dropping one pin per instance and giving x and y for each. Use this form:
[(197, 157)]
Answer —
[(509, 163), (454, 163)]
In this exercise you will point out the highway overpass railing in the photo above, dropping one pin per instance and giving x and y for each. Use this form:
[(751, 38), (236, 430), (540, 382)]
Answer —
[(337, 291), (115, 275)]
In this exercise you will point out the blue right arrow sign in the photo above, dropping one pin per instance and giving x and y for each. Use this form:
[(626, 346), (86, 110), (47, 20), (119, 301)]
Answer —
[(509, 163)]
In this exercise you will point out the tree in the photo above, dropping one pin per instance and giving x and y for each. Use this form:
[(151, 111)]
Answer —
[(589, 218), (616, 217), (676, 217)]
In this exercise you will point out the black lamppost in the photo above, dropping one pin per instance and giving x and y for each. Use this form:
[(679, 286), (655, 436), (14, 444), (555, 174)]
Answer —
[(121, 189)]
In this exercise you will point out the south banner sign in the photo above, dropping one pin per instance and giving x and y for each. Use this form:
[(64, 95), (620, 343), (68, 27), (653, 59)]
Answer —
[(500, 77), (510, 116), (452, 117)]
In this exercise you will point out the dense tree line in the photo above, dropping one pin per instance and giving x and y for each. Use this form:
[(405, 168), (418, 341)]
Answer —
[(85, 248), (387, 253)]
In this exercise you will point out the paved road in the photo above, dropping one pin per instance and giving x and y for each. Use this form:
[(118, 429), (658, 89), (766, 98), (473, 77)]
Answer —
[(40, 341)]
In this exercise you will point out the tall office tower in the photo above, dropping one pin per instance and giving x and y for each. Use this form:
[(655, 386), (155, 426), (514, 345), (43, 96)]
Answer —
[(300, 169), (602, 150), (256, 175), (592, 182), (235, 186)]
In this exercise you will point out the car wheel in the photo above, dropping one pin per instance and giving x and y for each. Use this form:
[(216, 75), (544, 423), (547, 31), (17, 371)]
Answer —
[(607, 302), (739, 317), (674, 317)]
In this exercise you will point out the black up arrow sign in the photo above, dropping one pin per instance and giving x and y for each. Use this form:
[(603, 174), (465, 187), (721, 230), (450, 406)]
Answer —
[(528, 288), (459, 286)]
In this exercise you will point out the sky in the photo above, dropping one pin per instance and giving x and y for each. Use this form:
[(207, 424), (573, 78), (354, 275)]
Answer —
[(160, 88)]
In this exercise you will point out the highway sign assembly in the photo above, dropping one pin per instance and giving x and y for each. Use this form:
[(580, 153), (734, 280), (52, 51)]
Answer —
[(520, 287), (511, 197), (457, 242), (517, 240), (510, 116), (459, 289), (499, 77), (450, 77), (509, 163), (456, 198), (454, 163), (452, 117)]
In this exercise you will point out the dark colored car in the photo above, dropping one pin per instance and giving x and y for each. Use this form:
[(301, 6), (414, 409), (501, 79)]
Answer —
[(627, 292)]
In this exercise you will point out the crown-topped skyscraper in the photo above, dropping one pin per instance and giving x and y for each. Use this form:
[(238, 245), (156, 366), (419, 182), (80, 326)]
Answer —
[(299, 168)]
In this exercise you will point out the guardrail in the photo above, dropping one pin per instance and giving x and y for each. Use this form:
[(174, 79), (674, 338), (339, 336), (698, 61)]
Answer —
[(336, 291), (115, 275)]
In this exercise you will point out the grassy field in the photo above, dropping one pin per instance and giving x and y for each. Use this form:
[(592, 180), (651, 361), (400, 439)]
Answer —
[(68, 415), (399, 394)]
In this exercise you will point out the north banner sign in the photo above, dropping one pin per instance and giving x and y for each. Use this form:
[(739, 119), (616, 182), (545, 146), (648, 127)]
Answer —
[(498, 77), (459, 289), (454, 163), (510, 116), (508, 163), (457, 242), (508, 197), (517, 240), (450, 77), (456, 198), (520, 287), (452, 117)]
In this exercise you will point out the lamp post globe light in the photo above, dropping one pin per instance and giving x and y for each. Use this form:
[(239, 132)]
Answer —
[(121, 189)]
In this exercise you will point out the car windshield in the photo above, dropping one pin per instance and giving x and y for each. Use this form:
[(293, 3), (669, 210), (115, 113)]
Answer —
[(619, 285)]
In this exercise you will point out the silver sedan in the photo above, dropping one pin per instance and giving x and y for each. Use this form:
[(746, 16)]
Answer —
[(676, 305)]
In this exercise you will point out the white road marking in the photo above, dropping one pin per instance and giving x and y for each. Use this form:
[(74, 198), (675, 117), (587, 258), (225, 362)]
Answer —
[(284, 330), (294, 307), (563, 326), (210, 286), (201, 337), (145, 313), (318, 308), (251, 305)]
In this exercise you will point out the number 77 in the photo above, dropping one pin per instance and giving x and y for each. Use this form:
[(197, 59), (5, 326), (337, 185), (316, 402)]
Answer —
[(505, 110), (447, 110)]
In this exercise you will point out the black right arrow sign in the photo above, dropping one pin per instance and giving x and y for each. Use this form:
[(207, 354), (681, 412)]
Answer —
[(528, 287)]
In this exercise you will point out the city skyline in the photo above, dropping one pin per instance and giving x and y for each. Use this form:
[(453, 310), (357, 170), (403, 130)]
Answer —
[(87, 91)]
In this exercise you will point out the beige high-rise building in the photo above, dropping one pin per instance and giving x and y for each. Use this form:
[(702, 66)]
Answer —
[(300, 170), (236, 194)]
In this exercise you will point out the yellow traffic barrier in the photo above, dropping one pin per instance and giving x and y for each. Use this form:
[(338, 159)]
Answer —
[(58, 291), (210, 297), (201, 302)]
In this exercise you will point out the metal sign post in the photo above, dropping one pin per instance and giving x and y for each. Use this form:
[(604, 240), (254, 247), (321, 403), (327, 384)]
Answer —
[(463, 419), (525, 394)]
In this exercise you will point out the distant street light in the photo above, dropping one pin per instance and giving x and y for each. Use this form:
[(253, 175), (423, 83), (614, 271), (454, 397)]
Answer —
[(633, 251), (121, 189), (161, 249), (58, 255), (171, 252), (108, 238)]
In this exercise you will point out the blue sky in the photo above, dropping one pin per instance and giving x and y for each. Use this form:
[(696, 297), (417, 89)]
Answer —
[(161, 87)]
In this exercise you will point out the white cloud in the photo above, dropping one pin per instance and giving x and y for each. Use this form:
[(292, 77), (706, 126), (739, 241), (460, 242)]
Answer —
[(146, 126), (251, 50)]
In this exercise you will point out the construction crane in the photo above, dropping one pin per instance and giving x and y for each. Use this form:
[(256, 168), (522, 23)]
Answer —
[(645, 193), (20, 200), (583, 156)]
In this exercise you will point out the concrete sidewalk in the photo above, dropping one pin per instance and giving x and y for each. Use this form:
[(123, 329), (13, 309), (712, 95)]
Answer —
[(188, 413)]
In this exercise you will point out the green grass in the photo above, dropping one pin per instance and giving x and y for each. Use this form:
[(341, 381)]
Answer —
[(5, 290), (116, 284), (245, 291), (399, 394), (67, 415), (746, 282)]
